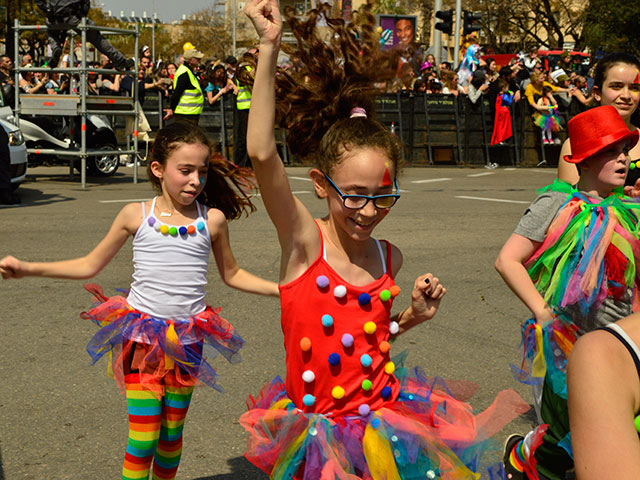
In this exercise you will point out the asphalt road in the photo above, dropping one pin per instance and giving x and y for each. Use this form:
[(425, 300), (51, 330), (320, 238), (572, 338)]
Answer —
[(64, 419)]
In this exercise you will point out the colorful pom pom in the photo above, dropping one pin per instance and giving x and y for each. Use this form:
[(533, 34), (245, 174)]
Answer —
[(364, 299), (157, 226), (327, 320), (365, 360), (334, 359), (322, 281), (389, 368), (370, 328), (366, 385), (200, 226), (375, 423), (151, 221), (384, 347), (364, 410), (164, 229), (431, 474), (394, 290), (394, 328), (305, 344), (347, 340), (308, 376), (385, 295), (182, 230), (173, 231), (386, 392), (632, 166), (340, 291), (337, 392), (308, 400), (191, 229)]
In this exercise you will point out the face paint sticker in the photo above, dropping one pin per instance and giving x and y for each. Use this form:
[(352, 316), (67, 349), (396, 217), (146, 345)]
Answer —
[(637, 79), (202, 180), (386, 178)]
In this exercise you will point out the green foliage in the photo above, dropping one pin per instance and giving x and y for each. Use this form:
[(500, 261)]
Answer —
[(390, 7), (611, 26)]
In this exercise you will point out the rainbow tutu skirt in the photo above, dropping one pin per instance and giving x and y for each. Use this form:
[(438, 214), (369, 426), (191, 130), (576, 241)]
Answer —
[(426, 433), (154, 348)]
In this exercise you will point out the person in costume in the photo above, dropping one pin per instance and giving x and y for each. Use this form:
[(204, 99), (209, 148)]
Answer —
[(502, 129), (604, 370), (347, 409), (160, 337), (545, 116), (469, 65), (616, 82), (572, 261)]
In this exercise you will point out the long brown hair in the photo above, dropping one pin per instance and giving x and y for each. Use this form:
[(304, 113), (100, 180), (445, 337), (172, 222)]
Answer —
[(227, 185), (332, 75)]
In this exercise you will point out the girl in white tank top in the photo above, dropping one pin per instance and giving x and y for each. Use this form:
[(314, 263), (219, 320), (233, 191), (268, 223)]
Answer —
[(160, 336)]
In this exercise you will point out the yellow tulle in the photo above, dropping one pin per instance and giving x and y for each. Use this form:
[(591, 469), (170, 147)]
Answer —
[(379, 456)]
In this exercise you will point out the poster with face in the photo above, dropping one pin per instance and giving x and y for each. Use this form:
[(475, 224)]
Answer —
[(403, 28)]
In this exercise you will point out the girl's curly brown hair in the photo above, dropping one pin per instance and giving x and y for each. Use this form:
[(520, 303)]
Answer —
[(331, 75), (227, 185)]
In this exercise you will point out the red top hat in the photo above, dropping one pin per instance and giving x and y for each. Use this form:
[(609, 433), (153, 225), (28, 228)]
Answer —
[(592, 131)]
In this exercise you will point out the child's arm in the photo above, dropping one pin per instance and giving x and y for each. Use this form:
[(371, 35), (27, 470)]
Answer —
[(541, 106), (230, 272), (425, 297), (125, 224), (297, 232), (602, 386), (510, 265)]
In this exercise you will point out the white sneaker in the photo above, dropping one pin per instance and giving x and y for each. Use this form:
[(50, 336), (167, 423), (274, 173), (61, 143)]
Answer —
[(556, 141)]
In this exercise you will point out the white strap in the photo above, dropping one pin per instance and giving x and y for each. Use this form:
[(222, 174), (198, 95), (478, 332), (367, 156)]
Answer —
[(198, 207), (384, 264), (153, 206), (624, 335), (144, 214)]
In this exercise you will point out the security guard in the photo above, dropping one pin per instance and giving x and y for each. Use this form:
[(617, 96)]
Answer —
[(187, 100), (243, 103)]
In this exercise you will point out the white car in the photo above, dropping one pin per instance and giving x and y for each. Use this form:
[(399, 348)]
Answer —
[(17, 149)]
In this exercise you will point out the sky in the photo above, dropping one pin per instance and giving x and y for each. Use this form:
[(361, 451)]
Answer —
[(167, 10)]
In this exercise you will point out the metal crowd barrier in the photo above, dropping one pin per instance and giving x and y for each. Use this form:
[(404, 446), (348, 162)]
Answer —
[(435, 129)]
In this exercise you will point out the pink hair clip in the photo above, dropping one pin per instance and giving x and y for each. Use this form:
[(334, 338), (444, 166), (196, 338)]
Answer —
[(358, 112)]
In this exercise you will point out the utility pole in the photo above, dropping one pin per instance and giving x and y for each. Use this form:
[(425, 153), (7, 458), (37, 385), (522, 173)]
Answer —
[(437, 35), (456, 48), (235, 14)]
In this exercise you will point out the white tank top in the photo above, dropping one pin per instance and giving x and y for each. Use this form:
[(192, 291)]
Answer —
[(170, 269)]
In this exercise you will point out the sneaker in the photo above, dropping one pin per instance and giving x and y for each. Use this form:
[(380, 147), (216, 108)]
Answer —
[(511, 472), (556, 141)]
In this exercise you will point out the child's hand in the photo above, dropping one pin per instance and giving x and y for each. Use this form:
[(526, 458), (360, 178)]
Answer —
[(266, 18), (11, 267), (425, 297), (544, 316)]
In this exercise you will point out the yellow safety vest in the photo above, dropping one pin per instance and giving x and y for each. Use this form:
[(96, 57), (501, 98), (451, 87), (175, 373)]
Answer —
[(192, 100), (243, 99)]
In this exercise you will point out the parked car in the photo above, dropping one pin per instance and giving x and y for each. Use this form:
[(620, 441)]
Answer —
[(17, 148)]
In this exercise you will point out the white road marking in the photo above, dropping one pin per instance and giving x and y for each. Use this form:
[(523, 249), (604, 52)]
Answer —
[(125, 201), (481, 174), (430, 180), (510, 169), (491, 199), (305, 179)]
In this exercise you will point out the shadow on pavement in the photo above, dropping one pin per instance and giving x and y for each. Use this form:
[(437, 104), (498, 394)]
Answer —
[(31, 197), (125, 176), (241, 469)]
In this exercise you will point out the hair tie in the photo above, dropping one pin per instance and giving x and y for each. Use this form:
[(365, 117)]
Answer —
[(358, 112)]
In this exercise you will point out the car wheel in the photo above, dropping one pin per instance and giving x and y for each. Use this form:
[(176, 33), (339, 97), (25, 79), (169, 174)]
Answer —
[(103, 165)]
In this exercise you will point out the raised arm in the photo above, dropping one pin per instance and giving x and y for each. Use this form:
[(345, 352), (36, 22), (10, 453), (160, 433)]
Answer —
[(297, 232), (510, 265), (88, 266), (230, 272)]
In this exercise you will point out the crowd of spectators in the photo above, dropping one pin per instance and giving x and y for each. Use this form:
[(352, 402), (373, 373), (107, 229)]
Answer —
[(216, 78), (526, 75)]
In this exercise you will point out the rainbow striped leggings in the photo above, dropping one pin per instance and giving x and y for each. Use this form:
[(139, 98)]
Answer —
[(155, 425)]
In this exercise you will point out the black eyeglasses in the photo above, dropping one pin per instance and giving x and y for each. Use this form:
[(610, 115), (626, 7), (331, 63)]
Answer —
[(356, 202)]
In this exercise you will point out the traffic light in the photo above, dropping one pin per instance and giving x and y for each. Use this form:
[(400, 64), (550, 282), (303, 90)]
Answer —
[(446, 25), (469, 24)]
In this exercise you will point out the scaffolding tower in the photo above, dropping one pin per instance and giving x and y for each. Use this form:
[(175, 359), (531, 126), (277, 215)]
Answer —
[(81, 105)]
